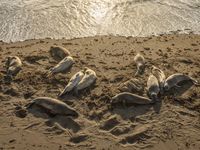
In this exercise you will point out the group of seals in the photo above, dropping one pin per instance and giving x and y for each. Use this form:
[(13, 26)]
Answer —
[(79, 81), (157, 84)]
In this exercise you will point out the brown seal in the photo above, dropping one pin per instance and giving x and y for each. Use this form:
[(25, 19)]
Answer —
[(54, 106), (58, 52), (129, 98)]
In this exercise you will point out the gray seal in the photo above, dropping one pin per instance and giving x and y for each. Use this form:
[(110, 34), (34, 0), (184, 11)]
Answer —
[(129, 98), (62, 66), (73, 82), (140, 63), (153, 87), (175, 79), (13, 65), (88, 79), (159, 74), (55, 106)]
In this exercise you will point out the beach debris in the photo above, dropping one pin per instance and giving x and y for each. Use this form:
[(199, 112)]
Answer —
[(58, 52), (175, 79), (79, 138), (139, 132), (13, 65), (53, 106), (110, 123), (20, 112), (132, 85), (159, 74), (73, 82), (129, 98), (140, 62), (62, 66), (153, 87), (88, 79)]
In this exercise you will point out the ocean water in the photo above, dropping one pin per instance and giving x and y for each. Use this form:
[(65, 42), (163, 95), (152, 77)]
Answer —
[(30, 19)]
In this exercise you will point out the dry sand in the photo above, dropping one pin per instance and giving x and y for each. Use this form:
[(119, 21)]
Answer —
[(173, 124)]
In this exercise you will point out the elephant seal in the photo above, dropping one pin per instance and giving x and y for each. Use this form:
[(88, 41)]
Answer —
[(13, 65), (58, 52), (173, 80), (133, 85), (129, 98), (153, 87), (140, 62), (159, 74), (88, 79), (62, 66), (73, 82), (54, 106)]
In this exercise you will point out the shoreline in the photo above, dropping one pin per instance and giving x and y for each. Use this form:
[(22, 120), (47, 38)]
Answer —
[(173, 124), (177, 32)]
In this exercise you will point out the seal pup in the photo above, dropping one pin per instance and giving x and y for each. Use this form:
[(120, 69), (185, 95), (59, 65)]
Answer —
[(153, 87), (140, 63), (88, 79), (58, 52), (54, 106), (159, 74), (13, 65), (173, 80), (62, 66), (73, 82), (129, 98)]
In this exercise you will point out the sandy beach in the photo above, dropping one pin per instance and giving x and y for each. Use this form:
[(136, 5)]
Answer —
[(173, 123)]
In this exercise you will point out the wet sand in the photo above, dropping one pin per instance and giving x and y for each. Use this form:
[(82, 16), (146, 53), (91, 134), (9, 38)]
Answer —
[(173, 123)]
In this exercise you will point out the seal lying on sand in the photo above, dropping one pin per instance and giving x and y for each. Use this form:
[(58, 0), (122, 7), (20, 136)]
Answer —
[(132, 85), (88, 79), (153, 87), (73, 82), (129, 98), (140, 62), (62, 66), (175, 79), (58, 52), (54, 106), (13, 65), (159, 74)]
